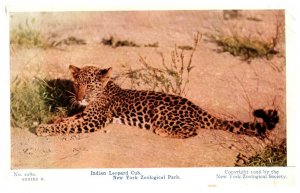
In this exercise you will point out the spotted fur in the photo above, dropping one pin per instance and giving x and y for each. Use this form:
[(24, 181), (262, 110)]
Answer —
[(164, 114)]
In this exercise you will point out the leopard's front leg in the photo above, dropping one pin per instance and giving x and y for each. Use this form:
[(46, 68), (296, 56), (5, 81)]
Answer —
[(90, 121), (63, 127)]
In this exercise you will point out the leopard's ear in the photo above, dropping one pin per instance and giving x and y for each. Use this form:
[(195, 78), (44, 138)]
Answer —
[(74, 71), (105, 73)]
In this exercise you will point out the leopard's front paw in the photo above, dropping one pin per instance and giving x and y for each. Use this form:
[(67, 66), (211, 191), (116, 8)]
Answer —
[(43, 130), (56, 120)]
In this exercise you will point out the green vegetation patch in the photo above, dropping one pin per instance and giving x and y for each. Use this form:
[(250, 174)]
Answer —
[(272, 155), (246, 48), (35, 101), (27, 36)]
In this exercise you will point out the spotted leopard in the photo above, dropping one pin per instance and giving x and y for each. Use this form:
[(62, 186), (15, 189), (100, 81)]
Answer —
[(164, 114)]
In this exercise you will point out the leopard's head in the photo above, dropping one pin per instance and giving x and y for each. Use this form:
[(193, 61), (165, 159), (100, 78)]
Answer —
[(89, 81)]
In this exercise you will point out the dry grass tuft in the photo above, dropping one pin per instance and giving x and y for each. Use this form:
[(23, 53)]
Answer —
[(171, 77), (114, 42)]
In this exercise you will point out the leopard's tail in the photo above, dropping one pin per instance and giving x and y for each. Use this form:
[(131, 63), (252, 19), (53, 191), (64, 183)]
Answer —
[(270, 118)]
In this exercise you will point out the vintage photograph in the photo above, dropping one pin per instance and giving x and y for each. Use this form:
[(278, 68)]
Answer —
[(147, 89)]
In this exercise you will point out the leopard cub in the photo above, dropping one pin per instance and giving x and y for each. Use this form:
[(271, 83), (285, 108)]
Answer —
[(164, 114)]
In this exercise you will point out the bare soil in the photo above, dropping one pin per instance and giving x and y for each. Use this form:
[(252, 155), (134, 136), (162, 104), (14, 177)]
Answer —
[(219, 83)]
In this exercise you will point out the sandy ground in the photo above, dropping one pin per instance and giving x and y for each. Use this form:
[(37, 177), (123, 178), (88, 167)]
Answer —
[(220, 83)]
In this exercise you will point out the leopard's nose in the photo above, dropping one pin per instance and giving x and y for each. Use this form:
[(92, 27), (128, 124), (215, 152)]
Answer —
[(80, 94), (83, 102)]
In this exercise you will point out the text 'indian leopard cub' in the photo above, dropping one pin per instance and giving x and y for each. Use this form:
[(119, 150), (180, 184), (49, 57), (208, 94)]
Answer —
[(164, 114)]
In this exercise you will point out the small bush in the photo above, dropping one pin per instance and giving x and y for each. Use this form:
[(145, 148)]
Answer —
[(249, 47), (27, 36), (171, 77), (27, 105), (35, 101), (113, 42), (153, 45), (68, 41), (272, 155), (246, 48)]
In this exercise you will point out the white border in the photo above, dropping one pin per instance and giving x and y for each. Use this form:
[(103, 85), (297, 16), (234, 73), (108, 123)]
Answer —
[(121, 5), (196, 179)]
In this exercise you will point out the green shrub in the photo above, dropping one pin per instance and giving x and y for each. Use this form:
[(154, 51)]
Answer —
[(272, 155), (27, 36), (246, 48), (35, 101)]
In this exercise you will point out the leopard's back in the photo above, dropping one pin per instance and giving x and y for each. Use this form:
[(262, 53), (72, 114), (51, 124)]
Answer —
[(155, 110)]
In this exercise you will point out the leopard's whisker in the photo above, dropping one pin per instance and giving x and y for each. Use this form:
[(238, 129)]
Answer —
[(71, 93)]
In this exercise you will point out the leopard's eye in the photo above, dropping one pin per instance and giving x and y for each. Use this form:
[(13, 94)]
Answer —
[(89, 86)]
